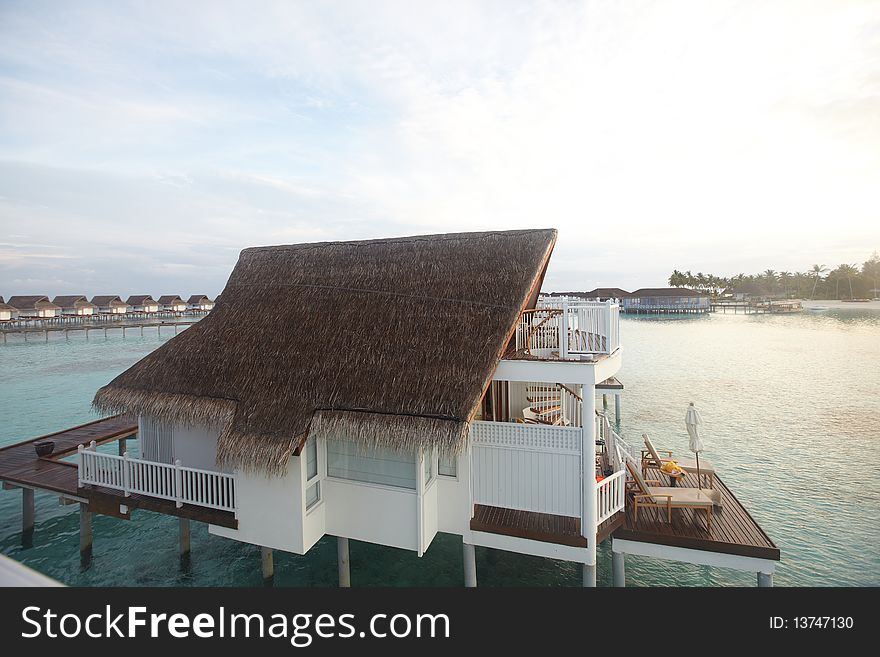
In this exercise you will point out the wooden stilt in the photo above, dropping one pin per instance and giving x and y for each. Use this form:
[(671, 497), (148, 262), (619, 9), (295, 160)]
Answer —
[(617, 408), (268, 565), (28, 516), (765, 580), (342, 558), (85, 535), (618, 569), (121, 442), (184, 542)]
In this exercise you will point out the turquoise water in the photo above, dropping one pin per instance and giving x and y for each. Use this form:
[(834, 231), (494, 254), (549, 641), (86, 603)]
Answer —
[(792, 412)]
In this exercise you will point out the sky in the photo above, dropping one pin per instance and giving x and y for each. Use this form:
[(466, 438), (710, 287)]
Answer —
[(144, 144)]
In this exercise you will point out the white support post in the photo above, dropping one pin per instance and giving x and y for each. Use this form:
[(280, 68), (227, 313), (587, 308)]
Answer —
[(343, 562), (588, 468), (126, 474), (470, 565), (178, 484), (765, 580), (590, 575), (617, 409)]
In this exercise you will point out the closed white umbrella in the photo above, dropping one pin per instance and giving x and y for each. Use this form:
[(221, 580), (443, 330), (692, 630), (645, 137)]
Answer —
[(692, 421)]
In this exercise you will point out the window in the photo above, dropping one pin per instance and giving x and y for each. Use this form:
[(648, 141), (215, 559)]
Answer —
[(313, 491), (448, 465), (378, 465)]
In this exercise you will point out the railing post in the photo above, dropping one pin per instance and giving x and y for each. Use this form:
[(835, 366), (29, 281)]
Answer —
[(82, 464), (563, 332), (608, 324), (178, 484), (126, 474)]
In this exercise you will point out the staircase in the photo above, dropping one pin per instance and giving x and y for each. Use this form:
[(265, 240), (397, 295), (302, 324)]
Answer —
[(553, 404)]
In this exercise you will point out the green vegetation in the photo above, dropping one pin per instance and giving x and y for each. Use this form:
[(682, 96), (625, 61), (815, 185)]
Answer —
[(818, 282)]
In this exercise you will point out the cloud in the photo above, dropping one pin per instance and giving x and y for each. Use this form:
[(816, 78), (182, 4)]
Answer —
[(722, 136)]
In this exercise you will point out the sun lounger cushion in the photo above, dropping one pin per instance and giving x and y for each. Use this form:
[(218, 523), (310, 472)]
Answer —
[(680, 496)]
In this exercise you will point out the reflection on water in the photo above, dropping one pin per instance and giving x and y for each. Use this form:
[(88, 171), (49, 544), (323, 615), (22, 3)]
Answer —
[(791, 407)]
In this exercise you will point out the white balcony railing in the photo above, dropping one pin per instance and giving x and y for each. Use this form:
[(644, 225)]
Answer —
[(181, 485), (610, 496), (568, 330)]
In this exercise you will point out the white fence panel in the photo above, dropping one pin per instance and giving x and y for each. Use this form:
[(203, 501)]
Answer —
[(527, 467)]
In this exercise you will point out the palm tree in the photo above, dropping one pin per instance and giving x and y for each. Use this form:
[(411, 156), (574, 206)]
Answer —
[(784, 278), (871, 270), (848, 271), (817, 271)]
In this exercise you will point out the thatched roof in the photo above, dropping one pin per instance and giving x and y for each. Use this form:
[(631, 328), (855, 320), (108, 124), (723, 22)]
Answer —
[(666, 292), (4, 305), (141, 300), (388, 342), (72, 301), (32, 302), (108, 300), (606, 293), (169, 300), (199, 298)]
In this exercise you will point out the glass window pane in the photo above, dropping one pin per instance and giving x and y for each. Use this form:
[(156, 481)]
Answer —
[(448, 465), (311, 457), (313, 494), (347, 460)]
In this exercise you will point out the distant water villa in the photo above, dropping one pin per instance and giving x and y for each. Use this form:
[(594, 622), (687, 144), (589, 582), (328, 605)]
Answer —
[(658, 300)]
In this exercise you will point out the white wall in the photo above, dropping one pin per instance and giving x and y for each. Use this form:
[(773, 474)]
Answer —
[(367, 512), (269, 510), (197, 448), (430, 508), (453, 499)]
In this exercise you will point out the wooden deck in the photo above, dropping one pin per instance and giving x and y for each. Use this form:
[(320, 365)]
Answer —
[(734, 531), (20, 466), (544, 527)]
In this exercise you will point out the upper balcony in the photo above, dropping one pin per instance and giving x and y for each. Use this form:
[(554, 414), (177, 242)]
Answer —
[(562, 330)]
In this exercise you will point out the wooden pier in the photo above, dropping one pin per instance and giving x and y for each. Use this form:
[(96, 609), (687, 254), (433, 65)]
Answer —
[(757, 307), (44, 331)]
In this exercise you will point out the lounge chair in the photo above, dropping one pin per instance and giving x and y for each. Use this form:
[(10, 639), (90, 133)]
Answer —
[(662, 497), (651, 460)]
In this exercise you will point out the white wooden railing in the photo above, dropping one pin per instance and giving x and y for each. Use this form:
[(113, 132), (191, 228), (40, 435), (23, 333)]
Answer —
[(610, 496), (568, 329), (182, 485)]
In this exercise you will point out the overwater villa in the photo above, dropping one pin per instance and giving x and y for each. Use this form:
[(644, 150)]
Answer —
[(110, 304), (171, 303), (7, 312), (666, 300), (385, 391), (199, 302), (76, 305), (34, 306), (142, 303)]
